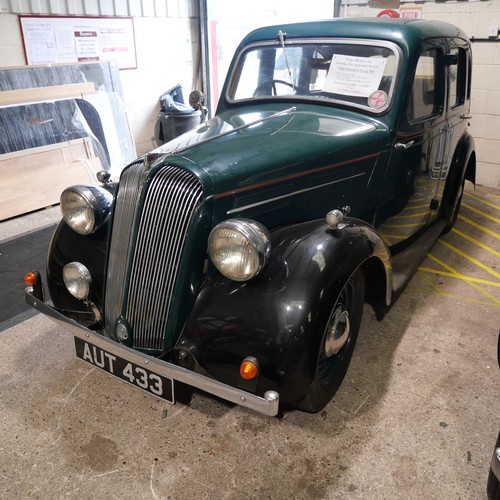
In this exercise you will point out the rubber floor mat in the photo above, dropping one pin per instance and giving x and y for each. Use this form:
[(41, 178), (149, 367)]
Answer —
[(17, 257)]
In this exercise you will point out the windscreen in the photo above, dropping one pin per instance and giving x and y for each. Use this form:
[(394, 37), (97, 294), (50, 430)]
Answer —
[(361, 74)]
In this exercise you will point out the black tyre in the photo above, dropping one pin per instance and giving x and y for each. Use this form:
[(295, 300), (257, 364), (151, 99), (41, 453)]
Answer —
[(456, 208), (337, 344), (493, 485)]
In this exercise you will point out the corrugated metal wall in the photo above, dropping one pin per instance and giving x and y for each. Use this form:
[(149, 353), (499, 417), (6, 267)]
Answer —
[(134, 8)]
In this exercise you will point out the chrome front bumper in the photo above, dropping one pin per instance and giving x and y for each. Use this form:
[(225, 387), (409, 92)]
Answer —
[(268, 405)]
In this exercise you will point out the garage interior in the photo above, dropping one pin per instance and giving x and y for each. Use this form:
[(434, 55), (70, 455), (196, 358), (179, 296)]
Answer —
[(416, 416)]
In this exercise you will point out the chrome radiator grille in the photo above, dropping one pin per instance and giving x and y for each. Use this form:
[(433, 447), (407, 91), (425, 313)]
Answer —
[(149, 266)]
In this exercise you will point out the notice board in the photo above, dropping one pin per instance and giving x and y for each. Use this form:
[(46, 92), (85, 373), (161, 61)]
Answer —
[(61, 39)]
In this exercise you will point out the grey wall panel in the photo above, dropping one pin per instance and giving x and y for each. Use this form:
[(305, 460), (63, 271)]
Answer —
[(134, 8)]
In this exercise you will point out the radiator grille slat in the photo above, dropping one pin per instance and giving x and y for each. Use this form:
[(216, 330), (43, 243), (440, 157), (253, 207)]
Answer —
[(131, 185), (161, 235), (169, 203)]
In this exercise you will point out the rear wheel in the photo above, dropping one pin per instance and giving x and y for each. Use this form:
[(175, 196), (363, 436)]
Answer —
[(337, 344), (455, 210)]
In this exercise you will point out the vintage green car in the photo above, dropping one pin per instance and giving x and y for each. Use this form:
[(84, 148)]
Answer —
[(238, 257)]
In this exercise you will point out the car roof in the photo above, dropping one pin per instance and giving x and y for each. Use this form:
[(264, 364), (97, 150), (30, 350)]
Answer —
[(408, 32)]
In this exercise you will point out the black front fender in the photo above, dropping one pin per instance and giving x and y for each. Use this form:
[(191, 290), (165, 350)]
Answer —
[(68, 246), (278, 317)]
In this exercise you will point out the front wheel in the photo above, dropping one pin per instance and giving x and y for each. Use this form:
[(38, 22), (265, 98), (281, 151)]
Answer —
[(337, 344)]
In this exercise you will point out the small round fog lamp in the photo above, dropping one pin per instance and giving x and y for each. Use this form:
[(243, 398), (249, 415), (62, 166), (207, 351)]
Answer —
[(77, 279)]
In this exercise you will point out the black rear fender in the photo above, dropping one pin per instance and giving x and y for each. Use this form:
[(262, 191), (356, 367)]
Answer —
[(463, 167)]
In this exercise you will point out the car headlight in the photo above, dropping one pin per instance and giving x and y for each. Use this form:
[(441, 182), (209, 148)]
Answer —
[(77, 279), (85, 208), (239, 248)]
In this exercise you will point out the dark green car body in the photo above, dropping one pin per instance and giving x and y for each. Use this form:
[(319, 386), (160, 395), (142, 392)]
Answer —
[(372, 115)]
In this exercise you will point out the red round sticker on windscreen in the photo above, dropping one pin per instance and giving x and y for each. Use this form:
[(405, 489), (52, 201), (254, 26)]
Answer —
[(378, 99)]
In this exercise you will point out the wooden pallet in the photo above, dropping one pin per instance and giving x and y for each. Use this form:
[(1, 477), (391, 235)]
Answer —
[(34, 178)]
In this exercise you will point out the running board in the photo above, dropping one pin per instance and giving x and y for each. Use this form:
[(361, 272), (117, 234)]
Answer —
[(406, 262)]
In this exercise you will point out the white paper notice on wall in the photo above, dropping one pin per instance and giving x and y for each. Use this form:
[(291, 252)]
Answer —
[(354, 76), (52, 40)]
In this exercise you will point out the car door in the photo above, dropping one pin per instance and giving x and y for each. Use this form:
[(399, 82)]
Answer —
[(458, 65), (413, 174)]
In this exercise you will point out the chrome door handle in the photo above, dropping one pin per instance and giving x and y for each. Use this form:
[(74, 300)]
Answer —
[(403, 145), (466, 117)]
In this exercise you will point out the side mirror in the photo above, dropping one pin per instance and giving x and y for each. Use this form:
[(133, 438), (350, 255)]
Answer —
[(197, 101)]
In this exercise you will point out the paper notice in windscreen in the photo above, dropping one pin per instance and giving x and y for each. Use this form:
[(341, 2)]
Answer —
[(354, 76)]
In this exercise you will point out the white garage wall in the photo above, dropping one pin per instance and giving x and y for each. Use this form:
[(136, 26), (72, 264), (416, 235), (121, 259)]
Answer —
[(229, 23), (167, 51), (476, 18)]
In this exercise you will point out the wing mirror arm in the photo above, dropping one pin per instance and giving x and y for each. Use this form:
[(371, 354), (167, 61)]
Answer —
[(197, 101)]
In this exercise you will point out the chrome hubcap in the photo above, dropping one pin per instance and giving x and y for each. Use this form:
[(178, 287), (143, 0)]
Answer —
[(338, 331)]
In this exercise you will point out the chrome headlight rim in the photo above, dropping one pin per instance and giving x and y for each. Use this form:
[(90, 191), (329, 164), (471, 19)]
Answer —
[(253, 238), (77, 279), (85, 208)]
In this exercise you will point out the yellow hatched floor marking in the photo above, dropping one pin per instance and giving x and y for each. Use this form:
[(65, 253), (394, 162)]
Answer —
[(413, 207), (470, 259), (483, 214), (439, 291), (452, 273), (476, 242), (462, 276), (393, 236), (419, 224), (409, 216), (435, 287), (485, 191), (478, 226), (455, 297), (482, 200), (468, 279)]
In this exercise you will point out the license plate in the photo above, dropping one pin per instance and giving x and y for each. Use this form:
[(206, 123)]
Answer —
[(147, 380)]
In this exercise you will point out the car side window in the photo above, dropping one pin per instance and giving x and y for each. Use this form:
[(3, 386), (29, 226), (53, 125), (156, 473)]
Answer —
[(457, 77), (425, 97)]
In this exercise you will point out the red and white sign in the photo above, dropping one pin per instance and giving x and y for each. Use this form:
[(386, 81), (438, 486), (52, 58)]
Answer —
[(410, 13), (387, 13)]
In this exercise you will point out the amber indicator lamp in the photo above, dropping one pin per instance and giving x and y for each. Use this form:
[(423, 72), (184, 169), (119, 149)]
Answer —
[(249, 368), (31, 278)]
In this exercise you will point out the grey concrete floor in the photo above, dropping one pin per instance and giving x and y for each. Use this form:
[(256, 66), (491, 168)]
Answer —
[(417, 416)]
